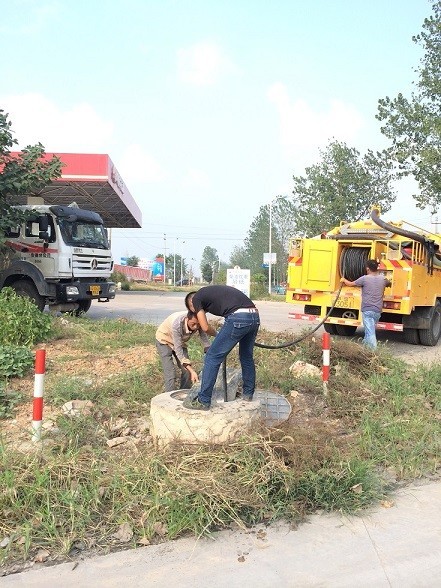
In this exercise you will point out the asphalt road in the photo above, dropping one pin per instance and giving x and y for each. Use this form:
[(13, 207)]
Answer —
[(154, 307)]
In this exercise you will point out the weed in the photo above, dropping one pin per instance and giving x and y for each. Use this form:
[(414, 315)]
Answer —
[(15, 361), (22, 323)]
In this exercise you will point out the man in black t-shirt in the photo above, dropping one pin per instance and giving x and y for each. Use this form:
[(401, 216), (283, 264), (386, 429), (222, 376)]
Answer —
[(240, 326)]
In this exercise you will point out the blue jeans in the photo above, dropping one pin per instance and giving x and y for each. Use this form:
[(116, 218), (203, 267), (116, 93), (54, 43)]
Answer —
[(370, 319), (238, 328)]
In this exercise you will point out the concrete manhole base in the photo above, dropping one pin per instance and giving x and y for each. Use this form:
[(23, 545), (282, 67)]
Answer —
[(224, 422)]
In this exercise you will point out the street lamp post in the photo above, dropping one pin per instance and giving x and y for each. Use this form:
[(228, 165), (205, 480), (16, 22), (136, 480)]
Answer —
[(270, 261), (174, 262), (190, 275), (182, 256), (270, 241), (165, 255)]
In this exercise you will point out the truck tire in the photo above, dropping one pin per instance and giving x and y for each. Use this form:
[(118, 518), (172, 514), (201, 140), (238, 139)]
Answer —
[(345, 330), (431, 335), (330, 328), (411, 336), (84, 306), (28, 290)]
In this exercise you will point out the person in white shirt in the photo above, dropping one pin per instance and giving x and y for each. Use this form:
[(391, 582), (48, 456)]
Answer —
[(172, 336)]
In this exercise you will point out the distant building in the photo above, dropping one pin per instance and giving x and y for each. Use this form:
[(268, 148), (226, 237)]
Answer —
[(134, 274)]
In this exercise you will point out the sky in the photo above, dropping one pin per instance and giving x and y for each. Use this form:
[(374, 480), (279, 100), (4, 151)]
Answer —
[(207, 108)]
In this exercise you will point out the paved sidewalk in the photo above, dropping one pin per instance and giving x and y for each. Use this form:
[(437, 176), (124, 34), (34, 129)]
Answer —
[(396, 545)]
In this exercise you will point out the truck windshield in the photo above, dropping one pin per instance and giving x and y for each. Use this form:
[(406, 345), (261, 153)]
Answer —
[(82, 234)]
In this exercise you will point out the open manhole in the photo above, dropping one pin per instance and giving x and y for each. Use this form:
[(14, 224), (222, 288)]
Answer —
[(274, 408)]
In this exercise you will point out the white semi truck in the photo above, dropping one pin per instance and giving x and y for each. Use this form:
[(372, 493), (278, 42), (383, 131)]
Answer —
[(59, 256)]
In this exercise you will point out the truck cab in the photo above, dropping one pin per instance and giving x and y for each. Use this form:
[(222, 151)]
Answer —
[(59, 256)]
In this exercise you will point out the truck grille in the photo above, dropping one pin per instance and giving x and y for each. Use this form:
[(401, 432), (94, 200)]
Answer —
[(91, 263)]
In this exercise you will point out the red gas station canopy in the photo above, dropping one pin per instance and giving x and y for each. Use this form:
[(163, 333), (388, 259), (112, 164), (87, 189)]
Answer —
[(93, 182)]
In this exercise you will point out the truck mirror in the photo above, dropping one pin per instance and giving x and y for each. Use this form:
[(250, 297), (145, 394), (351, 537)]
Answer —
[(43, 224)]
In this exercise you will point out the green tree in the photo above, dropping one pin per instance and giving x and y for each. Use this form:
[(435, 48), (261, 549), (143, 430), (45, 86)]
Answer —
[(239, 256), (414, 124), (209, 256), (207, 272), (257, 243), (25, 173), (133, 261), (343, 186), (173, 267)]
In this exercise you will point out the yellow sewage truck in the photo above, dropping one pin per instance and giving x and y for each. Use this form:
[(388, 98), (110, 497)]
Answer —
[(408, 256)]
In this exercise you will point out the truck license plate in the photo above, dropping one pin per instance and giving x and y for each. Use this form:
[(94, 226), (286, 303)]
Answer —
[(95, 290), (345, 302)]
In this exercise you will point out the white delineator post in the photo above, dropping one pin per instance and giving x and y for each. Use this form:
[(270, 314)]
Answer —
[(37, 409), (326, 347)]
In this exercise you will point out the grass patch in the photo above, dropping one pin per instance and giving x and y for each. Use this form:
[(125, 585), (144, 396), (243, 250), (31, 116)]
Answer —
[(77, 493), (107, 334)]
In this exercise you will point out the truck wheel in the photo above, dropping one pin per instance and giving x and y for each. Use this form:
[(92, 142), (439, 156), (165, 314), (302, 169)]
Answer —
[(411, 336), (83, 307), (330, 328), (431, 335), (28, 290), (345, 330)]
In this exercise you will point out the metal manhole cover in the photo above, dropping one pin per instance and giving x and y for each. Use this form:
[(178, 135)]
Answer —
[(275, 408)]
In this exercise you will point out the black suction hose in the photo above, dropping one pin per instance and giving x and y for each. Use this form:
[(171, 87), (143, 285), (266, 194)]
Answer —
[(308, 334), (428, 244), (224, 379)]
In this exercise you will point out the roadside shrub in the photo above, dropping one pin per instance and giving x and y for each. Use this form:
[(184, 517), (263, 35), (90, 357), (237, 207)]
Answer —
[(15, 361), (119, 277), (22, 324)]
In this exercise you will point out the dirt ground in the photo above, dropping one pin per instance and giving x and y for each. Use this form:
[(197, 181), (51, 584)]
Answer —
[(16, 431), (92, 367), (89, 366)]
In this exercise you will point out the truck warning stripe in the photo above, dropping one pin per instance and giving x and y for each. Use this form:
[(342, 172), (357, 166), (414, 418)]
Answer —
[(395, 263), (340, 321), (295, 260), (26, 247)]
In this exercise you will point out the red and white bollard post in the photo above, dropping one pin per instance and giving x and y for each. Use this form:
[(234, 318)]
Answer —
[(326, 347), (37, 410)]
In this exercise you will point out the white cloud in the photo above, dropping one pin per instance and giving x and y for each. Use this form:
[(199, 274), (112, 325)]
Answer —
[(303, 130), (202, 64), (139, 166), (36, 119)]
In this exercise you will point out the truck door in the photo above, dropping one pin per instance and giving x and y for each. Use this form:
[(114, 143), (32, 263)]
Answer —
[(39, 248), (319, 264)]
